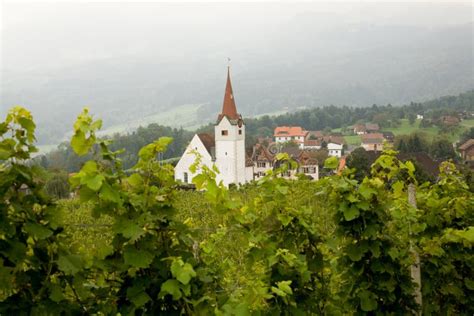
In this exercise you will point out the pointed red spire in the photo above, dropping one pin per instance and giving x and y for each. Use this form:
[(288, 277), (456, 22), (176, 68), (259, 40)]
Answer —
[(228, 107)]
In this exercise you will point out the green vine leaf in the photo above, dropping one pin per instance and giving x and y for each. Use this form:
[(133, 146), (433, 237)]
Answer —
[(70, 264), (368, 301), (38, 231), (137, 295), (137, 258), (183, 272), (172, 288)]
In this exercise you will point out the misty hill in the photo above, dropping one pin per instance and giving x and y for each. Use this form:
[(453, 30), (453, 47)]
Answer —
[(297, 65), (311, 119)]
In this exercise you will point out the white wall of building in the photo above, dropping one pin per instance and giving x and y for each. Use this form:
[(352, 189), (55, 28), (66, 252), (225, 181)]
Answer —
[(188, 158), (335, 150), (372, 147), (230, 152), (260, 168), (284, 139), (249, 174)]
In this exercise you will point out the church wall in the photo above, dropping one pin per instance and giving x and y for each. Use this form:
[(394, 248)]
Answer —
[(230, 152), (188, 158), (249, 174)]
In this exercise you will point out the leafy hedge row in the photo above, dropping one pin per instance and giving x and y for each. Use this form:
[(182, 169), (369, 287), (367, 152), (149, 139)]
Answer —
[(350, 254)]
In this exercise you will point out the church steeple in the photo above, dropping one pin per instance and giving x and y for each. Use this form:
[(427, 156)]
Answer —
[(228, 107)]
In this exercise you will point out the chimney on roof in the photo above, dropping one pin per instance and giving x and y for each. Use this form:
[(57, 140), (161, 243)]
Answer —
[(228, 107)]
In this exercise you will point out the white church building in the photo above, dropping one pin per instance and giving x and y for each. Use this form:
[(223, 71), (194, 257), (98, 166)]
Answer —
[(225, 149)]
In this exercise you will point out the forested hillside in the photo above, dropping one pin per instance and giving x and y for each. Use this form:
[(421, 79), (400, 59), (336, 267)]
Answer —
[(300, 63), (64, 157), (311, 119)]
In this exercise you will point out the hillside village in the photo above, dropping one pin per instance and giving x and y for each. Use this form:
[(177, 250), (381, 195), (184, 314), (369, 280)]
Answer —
[(239, 163)]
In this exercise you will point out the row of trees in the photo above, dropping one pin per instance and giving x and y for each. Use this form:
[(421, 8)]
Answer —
[(155, 264), (324, 118), (64, 157), (438, 148)]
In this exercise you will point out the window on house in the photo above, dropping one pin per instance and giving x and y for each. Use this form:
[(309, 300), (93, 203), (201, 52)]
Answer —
[(185, 176), (224, 132), (261, 164), (240, 132)]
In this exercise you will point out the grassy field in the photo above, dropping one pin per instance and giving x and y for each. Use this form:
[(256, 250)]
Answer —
[(406, 128), (468, 123), (185, 116), (352, 139), (181, 116)]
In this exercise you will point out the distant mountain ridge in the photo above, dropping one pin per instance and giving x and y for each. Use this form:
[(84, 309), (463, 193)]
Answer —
[(348, 65)]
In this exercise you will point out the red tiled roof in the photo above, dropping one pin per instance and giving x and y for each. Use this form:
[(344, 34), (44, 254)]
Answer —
[(261, 153), (467, 144), (334, 139), (316, 134), (372, 136), (359, 127), (342, 165), (282, 131), (208, 141), (372, 126), (312, 142), (228, 107)]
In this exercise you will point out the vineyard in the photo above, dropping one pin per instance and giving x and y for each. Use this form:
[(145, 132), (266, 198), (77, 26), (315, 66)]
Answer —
[(132, 243)]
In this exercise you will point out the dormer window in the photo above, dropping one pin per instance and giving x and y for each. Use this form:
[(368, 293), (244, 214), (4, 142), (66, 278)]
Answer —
[(224, 132)]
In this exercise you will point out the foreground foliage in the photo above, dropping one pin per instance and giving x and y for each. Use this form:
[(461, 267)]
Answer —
[(132, 243)]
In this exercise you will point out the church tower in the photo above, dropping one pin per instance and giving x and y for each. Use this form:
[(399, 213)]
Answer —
[(229, 134)]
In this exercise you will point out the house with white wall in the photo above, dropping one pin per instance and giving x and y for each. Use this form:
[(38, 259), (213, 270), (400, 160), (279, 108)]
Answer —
[(372, 142), (296, 134), (335, 150)]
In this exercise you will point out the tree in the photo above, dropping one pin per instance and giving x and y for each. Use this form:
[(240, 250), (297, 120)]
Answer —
[(469, 134), (57, 184), (442, 149), (359, 159)]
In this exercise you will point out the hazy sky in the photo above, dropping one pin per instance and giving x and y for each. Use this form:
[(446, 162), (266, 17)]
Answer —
[(56, 34)]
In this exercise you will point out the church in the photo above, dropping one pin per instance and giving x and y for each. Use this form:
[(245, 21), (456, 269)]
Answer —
[(225, 149)]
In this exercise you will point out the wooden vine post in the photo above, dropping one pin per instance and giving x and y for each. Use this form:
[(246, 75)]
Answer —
[(415, 268)]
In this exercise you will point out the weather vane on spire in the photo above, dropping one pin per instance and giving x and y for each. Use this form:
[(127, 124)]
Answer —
[(228, 62)]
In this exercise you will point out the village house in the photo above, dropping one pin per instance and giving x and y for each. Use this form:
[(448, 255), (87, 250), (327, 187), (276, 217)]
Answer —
[(306, 160), (315, 134), (372, 127), (297, 134), (314, 144), (389, 136), (449, 120), (264, 160), (335, 149), (467, 150), (372, 142), (360, 129)]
